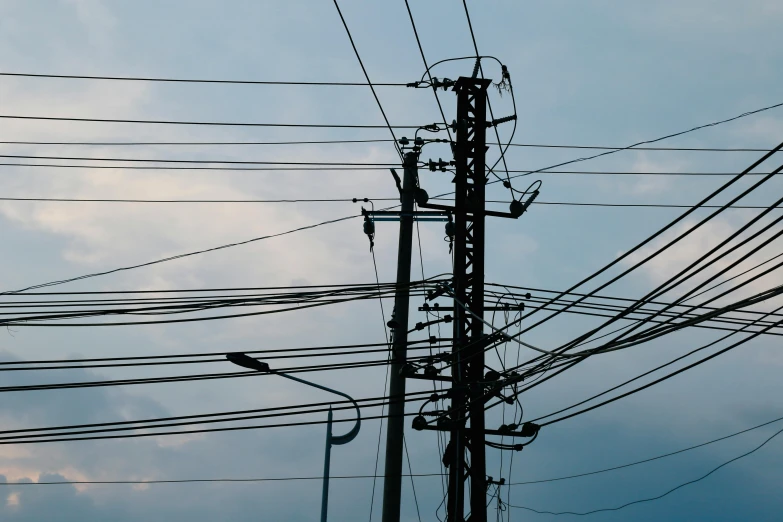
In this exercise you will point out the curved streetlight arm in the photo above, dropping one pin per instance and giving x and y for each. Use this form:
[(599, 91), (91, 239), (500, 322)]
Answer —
[(244, 360), (336, 439)]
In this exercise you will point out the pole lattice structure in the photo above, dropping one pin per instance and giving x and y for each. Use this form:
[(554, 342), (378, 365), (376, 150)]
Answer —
[(392, 484), (468, 456)]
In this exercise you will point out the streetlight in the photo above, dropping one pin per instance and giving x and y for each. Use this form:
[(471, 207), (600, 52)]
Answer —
[(246, 361)]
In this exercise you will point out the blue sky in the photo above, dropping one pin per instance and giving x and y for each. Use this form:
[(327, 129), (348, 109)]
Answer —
[(587, 73)]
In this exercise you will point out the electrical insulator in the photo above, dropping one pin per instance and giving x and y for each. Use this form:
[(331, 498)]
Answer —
[(369, 227), (516, 208), (421, 196), (491, 375), (450, 228), (530, 200), (419, 423)]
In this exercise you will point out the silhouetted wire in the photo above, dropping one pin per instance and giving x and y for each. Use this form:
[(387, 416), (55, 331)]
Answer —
[(568, 364), (190, 432), (489, 106), (578, 310), (192, 80), (385, 381), (192, 481), (23, 300), (593, 305), (228, 169), (180, 256), (619, 258), (656, 234), (635, 463), (193, 420), (424, 60), (347, 200), (754, 267), (207, 123), (693, 129), (665, 377), (197, 377), (650, 499), (694, 269), (694, 149), (36, 321), (664, 329), (78, 364), (193, 143), (226, 289), (367, 77), (290, 303), (221, 416), (160, 160), (352, 169), (410, 474), (328, 142), (624, 299)]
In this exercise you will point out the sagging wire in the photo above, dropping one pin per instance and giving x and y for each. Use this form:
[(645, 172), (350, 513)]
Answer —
[(388, 367)]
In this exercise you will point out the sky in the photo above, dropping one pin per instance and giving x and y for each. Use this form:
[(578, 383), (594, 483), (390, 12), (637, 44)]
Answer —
[(584, 73)]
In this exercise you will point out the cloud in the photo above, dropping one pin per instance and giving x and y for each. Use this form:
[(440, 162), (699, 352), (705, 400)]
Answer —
[(683, 253)]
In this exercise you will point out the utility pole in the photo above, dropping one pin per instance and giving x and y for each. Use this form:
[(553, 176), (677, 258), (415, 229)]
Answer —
[(392, 484), (467, 442), (465, 454)]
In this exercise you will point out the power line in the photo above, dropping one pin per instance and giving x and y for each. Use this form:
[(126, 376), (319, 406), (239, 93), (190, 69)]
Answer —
[(423, 59), (192, 481), (159, 160), (367, 168), (209, 123), (138, 167), (657, 234), (188, 432), (192, 80), (644, 461), (650, 499), (191, 143), (337, 142), (346, 200), (692, 149), (367, 77), (645, 142), (179, 256), (665, 377), (201, 419), (182, 359), (196, 377), (370, 286)]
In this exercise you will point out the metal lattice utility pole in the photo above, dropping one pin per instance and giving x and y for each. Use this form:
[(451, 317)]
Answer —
[(392, 485), (467, 438), (465, 454)]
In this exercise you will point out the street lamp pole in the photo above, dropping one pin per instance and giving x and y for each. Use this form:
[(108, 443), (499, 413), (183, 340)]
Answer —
[(246, 361)]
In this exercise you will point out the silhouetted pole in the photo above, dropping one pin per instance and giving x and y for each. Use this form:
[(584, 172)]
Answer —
[(327, 462), (392, 484), (467, 441)]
